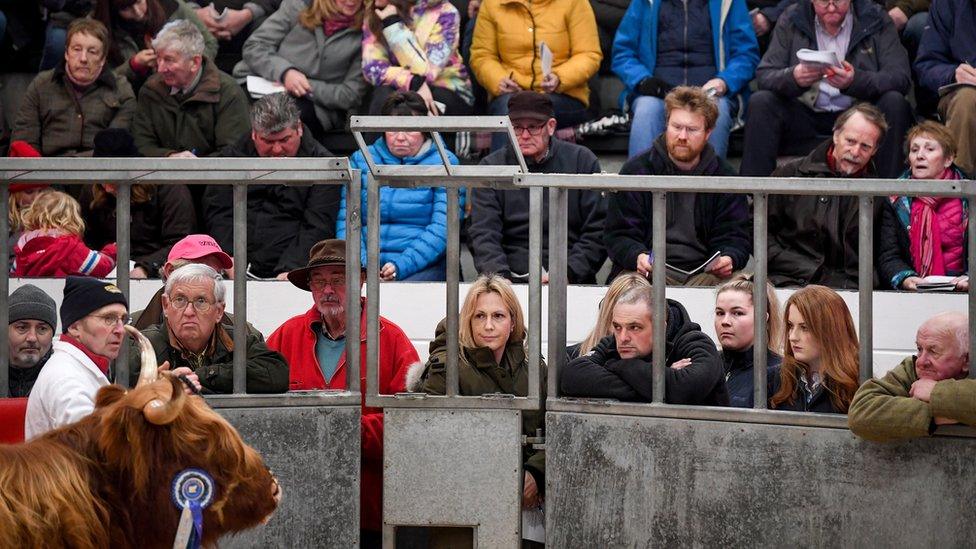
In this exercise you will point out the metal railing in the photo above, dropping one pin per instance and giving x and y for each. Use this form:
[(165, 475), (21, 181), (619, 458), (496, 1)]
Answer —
[(453, 177), (760, 189), (238, 172)]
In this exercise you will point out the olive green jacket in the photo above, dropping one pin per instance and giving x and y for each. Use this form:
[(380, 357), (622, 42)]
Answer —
[(882, 409), (479, 374), (213, 115), (57, 122), (267, 371)]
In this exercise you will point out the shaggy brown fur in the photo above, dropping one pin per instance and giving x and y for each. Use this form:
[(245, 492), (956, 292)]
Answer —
[(105, 480)]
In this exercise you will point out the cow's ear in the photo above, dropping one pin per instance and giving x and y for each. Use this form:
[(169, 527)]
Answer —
[(109, 394)]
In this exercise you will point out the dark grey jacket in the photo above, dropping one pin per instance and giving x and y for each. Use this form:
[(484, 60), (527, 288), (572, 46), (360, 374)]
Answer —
[(333, 65), (880, 61), (499, 231)]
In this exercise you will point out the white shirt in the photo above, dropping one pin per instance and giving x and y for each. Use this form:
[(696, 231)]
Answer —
[(64, 391), (831, 99)]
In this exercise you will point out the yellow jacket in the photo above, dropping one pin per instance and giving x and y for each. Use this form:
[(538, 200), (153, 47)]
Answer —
[(507, 38)]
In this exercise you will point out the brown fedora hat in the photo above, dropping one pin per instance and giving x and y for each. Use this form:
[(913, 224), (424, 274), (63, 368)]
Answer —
[(325, 252)]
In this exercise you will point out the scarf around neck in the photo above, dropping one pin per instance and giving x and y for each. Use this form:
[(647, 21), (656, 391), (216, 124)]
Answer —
[(925, 232), (336, 24)]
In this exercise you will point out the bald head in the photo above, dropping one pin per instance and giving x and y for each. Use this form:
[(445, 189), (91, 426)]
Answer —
[(943, 347)]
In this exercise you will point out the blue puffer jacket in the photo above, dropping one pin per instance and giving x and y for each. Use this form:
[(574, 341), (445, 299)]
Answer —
[(734, 42), (413, 221)]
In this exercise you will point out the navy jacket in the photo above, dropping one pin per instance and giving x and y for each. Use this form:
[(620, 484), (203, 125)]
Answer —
[(948, 40), (603, 374), (721, 220), (738, 376)]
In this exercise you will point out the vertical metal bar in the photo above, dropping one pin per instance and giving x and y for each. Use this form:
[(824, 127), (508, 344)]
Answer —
[(453, 279), (759, 303), (971, 259), (535, 289), (123, 241), (353, 283), (372, 286), (442, 151), (558, 256), (5, 288), (865, 284), (659, 281), (240, 288)]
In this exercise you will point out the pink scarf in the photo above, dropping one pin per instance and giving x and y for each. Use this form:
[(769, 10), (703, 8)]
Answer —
[(926, 231), (336, 24)]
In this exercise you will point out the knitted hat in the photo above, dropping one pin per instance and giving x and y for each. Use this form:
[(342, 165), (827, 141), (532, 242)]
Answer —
[(84, 295), (32, 303), (23, 149)]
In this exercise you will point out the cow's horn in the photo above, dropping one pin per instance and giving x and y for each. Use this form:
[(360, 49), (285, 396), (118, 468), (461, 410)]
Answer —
[(163, 410), (147, 372)]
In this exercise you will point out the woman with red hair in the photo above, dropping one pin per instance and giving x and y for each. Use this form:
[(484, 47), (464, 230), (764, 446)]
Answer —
[(820, 363)]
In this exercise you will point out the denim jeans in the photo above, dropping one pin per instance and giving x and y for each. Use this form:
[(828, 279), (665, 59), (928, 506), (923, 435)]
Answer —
[(647, 122), (569, 112), (54, 39)]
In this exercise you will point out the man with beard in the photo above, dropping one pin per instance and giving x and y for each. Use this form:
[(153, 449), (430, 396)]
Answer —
[(719, 223), (66, 106), (33, 317), (813, 239), (314, 345)]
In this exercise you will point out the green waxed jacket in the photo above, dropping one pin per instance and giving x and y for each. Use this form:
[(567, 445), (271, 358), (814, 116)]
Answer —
[(479, 374), (212, 116), (267, 370), (882, 409)]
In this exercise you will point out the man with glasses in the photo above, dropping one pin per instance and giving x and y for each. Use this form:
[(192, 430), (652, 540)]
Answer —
[(499, 232), (193, 336), (283, 221), (713, 241), (314, 344), (93, 314), (798, 102)]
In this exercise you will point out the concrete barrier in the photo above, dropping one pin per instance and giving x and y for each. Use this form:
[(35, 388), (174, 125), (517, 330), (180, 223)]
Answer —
[(615, 481), (314, 452)]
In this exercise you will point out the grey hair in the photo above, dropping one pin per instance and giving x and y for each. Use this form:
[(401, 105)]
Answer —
[(640, 294), (953, 324), (180, 35), (196, 272), (274, 113)]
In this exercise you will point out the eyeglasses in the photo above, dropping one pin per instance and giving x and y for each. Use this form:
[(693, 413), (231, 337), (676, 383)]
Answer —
[(179, 302), (111, 320), (318, 284), (533, 130), (836, 3)]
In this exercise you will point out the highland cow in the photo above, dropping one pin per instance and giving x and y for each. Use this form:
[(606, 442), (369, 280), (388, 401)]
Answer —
[(105, 481)]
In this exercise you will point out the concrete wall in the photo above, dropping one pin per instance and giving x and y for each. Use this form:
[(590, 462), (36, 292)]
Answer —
[(314, 452), (616, 481), (417, 307)]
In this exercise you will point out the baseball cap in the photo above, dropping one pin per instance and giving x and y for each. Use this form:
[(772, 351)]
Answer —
[(195, 246)]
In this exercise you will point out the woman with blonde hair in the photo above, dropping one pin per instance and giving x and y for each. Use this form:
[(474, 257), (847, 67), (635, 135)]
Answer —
[(604, 319), (51, 245), (735, 330), (314, 49), (820, 365), (493, 359)]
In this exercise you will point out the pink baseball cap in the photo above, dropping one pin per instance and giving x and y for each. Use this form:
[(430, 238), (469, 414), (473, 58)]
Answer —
[(195, 246)]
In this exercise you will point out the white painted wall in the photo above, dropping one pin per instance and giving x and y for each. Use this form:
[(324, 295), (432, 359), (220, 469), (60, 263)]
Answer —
[(418, 307)]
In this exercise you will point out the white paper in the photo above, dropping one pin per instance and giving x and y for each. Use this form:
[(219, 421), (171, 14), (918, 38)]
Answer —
[(440, 107), (534, 524), (259, 87), (545, 55), (938, 279), (815, 57)]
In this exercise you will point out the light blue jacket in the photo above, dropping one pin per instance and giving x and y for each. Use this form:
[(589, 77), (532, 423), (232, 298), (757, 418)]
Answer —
[(734, 41), (413, 221)]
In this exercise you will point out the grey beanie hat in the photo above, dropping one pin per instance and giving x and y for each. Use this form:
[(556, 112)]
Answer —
[(32, 303)]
